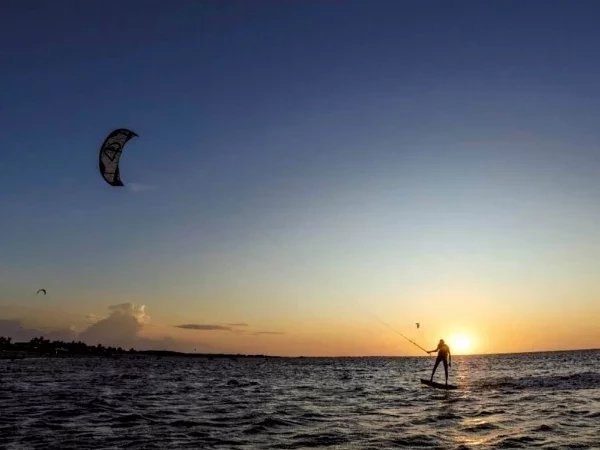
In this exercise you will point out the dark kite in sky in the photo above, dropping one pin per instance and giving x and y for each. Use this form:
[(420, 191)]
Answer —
[(110, 154)]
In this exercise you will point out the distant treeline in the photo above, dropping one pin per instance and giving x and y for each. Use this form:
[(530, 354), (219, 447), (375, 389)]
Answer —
[(45, 347)]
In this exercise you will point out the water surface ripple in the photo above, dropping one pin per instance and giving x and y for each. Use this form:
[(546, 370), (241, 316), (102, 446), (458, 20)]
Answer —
[(541, 400)]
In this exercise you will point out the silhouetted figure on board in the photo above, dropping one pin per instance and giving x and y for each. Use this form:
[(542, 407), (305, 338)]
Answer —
[(443, 356)]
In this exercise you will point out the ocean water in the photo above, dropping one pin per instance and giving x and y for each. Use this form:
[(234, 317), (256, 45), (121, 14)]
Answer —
[(541, 400)]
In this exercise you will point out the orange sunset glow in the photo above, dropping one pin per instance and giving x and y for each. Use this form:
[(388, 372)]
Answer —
[(272, 224), (281, 213)]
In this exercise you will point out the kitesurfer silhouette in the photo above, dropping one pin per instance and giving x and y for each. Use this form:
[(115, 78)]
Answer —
[(444, 356)]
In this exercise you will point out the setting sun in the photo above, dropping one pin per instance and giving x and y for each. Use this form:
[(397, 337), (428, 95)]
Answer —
[(460, 344)]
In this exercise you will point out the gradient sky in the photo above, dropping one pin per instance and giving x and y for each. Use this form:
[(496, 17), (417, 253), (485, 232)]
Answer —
[(301, 166)]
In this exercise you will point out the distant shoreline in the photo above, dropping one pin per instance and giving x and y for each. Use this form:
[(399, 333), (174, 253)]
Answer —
[(40, 347), (231, 355), (17, 354)]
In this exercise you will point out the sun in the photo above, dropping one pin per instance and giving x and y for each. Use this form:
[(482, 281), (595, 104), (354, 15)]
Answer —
[(460, 344)]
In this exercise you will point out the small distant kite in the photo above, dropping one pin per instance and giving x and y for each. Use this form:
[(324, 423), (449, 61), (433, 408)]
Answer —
[(110, 154), (418, 325), (41, 290)]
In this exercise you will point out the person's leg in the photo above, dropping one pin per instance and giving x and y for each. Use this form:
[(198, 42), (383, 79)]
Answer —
[(446, 369), (437, 361)]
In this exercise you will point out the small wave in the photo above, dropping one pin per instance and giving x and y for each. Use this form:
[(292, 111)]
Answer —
[(318, 440), (184, 423), (577, 445), (275, 422), (237, 383), (126, 418), (130, 376), (487, 413), (419, 440), (448, 416), (62, 413), (583, 380), (100, 401), (227, 443), (256, 429), (518, 442), (424, 420), (577, 412), (313, 415), (199, 434), (483, 426)]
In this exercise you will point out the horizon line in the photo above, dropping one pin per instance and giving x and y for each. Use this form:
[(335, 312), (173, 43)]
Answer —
[(308, 356)]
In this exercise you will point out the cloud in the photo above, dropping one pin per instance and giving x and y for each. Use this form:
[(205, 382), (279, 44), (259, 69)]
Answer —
[(123, 326), (203, 327), (67, 335), (230, 327), (120, 328), (91, 319), (130, 309), (260, 333), (139, 187), (19, 333)]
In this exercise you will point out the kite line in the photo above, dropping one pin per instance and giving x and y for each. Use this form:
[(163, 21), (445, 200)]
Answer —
[(398, 333)]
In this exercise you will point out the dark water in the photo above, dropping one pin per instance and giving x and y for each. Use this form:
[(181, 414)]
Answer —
[(544, 400)]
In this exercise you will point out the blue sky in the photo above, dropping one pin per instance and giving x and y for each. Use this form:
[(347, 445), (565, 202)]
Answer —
[(300, 154)]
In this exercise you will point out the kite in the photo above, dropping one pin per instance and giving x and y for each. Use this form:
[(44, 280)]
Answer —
[(41, 290), (418, 325), (110, 153)]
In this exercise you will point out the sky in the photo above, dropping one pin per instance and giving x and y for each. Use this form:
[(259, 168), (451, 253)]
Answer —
[(310, 177)]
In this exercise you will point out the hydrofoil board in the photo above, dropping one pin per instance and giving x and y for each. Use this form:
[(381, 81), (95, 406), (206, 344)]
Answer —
[(438, 385)]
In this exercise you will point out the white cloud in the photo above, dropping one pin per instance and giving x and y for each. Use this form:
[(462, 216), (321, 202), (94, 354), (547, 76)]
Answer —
[(120, 328), (91, 319), (262, 333)]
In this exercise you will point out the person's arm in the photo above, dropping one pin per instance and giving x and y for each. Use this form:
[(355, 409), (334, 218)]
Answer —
[(436, 349), (449, 358)]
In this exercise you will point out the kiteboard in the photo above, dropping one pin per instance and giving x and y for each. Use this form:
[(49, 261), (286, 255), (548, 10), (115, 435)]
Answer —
[(438, 385)]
